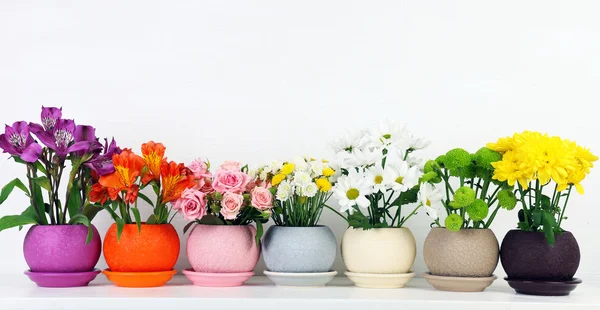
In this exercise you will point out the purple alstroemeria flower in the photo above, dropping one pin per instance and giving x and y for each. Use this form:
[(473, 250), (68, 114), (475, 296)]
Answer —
[(87, 133), (62, 138), (17, 141), (102, 164), (50, 116)]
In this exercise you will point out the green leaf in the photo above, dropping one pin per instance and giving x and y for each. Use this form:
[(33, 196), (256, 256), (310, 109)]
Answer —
[(112, 212), (74, 201), (410, 196), (537, 217), (146, 199), (188, 226), (259, 233), (152, 219), (39, 204), (8, 188), (549, 223), (90, 210), (120, 225), (30, 211), (138, 221), (545, 202), (43, 182), (210, 219), (11, 221), (82, 219)]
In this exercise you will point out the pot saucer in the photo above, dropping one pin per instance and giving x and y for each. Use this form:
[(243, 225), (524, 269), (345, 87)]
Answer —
[(139, 279), (217, 279), (543, 288), (380, 280), (62, 279), (459, 284), (301, 279)]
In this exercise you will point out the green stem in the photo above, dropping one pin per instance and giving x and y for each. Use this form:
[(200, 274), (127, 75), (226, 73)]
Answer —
[(30, 175), (562, 213), (336, 212)]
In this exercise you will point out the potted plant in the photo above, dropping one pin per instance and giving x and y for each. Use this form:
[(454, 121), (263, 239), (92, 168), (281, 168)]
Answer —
[(381, 178), (141, 253), (223, 248), (545, 170), (297, 250), (463, 255), (62, 247)]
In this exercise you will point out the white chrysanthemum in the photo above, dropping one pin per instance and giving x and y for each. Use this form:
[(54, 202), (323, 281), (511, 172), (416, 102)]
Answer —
[(351, 191), (284, 191), (263, 175), (310, 190), (377, 178), (300, 164), (275, 166), (302, 178), (252, 172), (389, 135), (430, 196), (401, 177), (316, 168), (337, 172), (348, 142), (362, 158)]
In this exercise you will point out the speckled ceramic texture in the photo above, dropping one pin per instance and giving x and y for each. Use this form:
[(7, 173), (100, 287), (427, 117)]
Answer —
[(379, 250), (522, 252), (459, 284), (61, 248), (299, 249), (223, 248), (464, 253), (154, 249)]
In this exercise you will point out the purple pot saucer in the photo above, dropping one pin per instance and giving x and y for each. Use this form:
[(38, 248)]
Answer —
[(62, 279)]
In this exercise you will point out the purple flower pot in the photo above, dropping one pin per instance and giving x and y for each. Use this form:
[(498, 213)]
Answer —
[(61, 248)]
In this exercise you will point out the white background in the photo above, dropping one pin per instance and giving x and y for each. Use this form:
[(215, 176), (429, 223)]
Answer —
[(260, 80)]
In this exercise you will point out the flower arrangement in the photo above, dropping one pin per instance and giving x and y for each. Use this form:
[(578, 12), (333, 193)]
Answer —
[(302, 187), (65, 143), (470, 189), (230, 196), (381, 175), (545, 169), (132, 173)]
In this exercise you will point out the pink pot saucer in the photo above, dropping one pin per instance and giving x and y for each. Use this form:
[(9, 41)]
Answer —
[(217, 279), (62, 279)]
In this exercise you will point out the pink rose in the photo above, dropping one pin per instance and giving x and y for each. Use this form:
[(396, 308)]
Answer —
[(192, 204), (262, 199), (233, 181), (204, 185), (200, 169), (231, 165), (231, 205)]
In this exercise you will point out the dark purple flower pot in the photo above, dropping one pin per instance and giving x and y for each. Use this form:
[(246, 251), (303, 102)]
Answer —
[(528, 256), (61, 248)]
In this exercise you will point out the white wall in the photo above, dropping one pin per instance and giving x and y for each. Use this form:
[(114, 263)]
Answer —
[(260, 80)]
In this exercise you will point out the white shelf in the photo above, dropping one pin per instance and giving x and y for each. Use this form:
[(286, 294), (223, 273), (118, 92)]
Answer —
[(17, 292)]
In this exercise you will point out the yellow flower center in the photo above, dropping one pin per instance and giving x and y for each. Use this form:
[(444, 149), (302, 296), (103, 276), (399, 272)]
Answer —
[(378, 179), (387, 136), (399, 180), (352, 193), (428, 202)]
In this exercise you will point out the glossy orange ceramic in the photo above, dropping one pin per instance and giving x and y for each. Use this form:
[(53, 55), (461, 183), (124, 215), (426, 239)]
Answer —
[(155, 248), (139, 279)]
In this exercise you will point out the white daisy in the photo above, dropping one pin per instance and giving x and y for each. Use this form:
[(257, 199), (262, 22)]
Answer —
[(284, 190), (431, 212), (300, 164), (351, 191), (415, 143), (376, 178), (316, 168), (362, 158), (302, 178), (310, 189), (389, 135), (348, 142), (413, 161), (430, 196), (401, 177)]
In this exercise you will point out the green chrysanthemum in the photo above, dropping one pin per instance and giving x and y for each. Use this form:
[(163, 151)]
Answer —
[(507, 199), (457, 158), (431, 165), (430, 177), (484, 158), (453, 222), (440, 160), (463, 197), (478, 210)]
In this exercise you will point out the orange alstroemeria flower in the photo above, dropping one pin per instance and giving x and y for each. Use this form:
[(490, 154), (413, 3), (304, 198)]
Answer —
[(153, 154), (175, 179), (128, 166), (99, 193)]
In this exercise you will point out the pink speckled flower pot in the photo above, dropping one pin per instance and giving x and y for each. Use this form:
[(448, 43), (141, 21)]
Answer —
[(223, 248)]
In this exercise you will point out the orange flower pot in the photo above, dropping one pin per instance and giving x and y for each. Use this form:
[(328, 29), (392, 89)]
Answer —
[(155, 248)]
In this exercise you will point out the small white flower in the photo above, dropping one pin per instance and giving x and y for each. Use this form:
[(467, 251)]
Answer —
[(362, 158), (252, 172), (316, 168), (419, 162), (389, 135), (431, 212), (310, 190), (430, 196), (300, 164), (377, 178), (263, 175), (284, 191), (348, 142), (416, 143), (274, 166), (401, 177), (302, 178), (351, 191)]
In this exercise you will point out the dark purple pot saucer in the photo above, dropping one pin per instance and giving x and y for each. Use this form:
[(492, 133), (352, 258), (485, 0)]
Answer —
[(543, 288), (64, 279)]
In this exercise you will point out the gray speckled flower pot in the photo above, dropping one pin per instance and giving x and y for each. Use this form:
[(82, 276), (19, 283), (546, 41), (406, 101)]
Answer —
[(299, 249)]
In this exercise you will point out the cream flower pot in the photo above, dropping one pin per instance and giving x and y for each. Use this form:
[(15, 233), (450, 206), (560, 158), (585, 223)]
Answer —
[(379, 250)]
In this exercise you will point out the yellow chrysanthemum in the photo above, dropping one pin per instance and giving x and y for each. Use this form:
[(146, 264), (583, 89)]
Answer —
[(287, 169), (277, 179), (323, 184), (328, 172)]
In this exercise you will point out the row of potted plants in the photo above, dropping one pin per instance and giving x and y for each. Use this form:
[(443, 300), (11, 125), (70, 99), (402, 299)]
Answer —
[(378, 180)]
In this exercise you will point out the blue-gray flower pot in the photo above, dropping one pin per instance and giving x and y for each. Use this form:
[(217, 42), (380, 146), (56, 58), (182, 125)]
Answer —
[(299, 249)]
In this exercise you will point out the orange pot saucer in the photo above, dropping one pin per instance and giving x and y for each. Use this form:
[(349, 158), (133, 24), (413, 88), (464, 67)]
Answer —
[(139, 279)]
